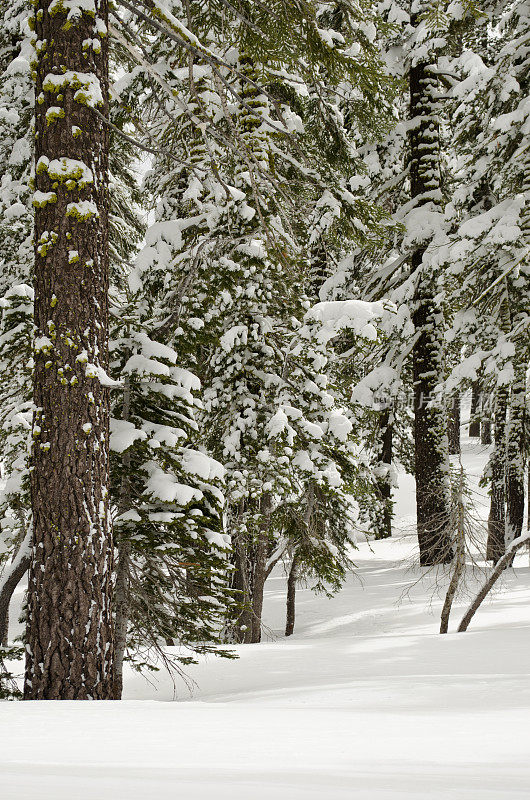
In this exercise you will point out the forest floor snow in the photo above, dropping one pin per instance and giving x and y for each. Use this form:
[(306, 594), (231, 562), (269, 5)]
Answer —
[(366, 701)]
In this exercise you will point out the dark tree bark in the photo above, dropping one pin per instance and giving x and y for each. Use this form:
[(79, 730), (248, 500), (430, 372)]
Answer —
[(453, 427), (528, 499), (485, 432), (122, 590), (319, 269), (515, 452), (474, 424), (70, 643), (291, 596), (497, 516), (430, 440), (430, 427), (250, 574)]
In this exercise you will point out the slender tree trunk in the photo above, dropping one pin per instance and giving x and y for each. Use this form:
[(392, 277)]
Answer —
[(485, 432), (122, 589), (515, 452), (11, 577), (528, 499), (384, 480), (497, 571), (474, 424), (241, 629), (497, 516), (454, 426), (291, 596), (69, 640), (260, 568), (430, 427), (460, 558), (122, 607)]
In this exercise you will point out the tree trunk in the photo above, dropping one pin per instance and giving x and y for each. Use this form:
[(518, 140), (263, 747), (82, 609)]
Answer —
[(501, 565), (69, 640), (122, 589), (515, 452), (497, 516), (453, 427), (240, 630), (291, 596), (528, 499), (430, 428), (474, 423), (485, 432), (11, 577), (384, 479), (430, 440), (460, 558), (260, 568), (122, 610)]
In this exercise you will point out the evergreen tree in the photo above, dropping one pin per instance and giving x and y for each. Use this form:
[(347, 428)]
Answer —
[(489, 244), (70, 653), (257, 150)]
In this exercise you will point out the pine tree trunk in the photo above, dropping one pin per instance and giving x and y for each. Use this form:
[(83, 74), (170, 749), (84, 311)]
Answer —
[(430, 426), (430, 440), (384, 481), (474, 424), (69, 640), (241, 629), (260, 568), (460, 557), (497, 517), (528, 499), (291, 596), (485, 432), (122, 589), (122, 610), (515, 452), (454, 426)]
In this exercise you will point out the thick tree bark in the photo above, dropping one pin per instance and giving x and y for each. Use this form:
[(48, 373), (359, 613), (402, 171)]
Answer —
[(69, 642), (497, 516), (474, 424), (430, 440), (11, 577), (453, 427), (291, 596), (430, 428)]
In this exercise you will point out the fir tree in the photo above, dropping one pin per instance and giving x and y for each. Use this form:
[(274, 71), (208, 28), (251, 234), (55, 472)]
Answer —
[(70, 654)]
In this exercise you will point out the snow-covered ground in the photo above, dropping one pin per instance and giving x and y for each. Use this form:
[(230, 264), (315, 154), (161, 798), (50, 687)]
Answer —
[(365, 701)]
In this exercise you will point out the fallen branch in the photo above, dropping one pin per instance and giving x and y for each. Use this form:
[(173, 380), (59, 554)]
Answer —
[(501, 564)]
